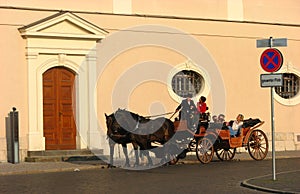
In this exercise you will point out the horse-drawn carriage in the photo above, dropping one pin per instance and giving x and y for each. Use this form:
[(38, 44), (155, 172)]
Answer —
[(176, 139), (215, 138)]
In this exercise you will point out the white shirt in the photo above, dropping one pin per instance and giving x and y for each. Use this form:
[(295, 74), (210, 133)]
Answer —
[(236, 125)]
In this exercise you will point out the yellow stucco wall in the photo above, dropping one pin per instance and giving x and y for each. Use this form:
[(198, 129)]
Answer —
[(232, 46)]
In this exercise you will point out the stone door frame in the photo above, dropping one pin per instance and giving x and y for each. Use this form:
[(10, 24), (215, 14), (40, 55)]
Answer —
[(51, 42)]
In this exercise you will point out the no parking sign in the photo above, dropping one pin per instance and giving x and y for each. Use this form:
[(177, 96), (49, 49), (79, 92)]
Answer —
[(271, 60)]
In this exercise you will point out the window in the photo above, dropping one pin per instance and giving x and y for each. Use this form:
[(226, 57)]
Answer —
[(187, 82), (188, 78), (290, 86)]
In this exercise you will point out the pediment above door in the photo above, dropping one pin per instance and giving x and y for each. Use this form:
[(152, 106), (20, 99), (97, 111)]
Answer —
[(63, 25)]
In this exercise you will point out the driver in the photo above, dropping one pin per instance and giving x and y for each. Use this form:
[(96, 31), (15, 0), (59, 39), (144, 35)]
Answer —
[(187, 110)]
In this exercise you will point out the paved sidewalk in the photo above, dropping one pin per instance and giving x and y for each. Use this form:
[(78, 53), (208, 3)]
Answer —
[(43, 167), (287, 182)]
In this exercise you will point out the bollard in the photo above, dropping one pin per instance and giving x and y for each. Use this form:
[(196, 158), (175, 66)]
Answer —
[(13, 136)]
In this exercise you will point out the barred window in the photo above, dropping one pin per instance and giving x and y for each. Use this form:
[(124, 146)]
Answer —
[(290, 86), (187, 82)]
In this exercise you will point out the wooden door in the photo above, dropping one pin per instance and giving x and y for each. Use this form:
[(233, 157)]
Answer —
[(59, 109)]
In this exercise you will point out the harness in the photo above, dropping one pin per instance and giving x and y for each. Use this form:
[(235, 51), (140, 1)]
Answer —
[(137, 124), (139, 121)]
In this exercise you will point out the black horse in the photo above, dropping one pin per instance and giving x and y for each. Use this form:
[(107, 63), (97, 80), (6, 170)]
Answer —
[(127, 127), (118, 135)]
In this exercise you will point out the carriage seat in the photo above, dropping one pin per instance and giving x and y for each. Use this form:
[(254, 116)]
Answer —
[(250, 122)]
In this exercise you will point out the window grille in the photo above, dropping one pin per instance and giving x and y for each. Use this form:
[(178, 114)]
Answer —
[(290, 86), (187, 82)]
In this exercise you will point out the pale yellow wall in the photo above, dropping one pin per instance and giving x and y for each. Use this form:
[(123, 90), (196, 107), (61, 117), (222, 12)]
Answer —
[(272, 11), (142, 97), (257, 10), (231, 45), (91, 5), (13, 84), (253, 10), (207, 9)]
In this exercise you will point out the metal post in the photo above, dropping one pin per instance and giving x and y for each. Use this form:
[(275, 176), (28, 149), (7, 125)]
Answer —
[(272, 125), (273, 134), (271, 42), (15, 135)]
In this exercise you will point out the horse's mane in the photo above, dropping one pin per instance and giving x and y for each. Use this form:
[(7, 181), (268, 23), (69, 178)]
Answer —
[(134, 115)]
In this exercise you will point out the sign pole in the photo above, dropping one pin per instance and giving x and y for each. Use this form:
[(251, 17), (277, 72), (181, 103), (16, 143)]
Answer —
[(272, 125), (273, 134), (271, 61)]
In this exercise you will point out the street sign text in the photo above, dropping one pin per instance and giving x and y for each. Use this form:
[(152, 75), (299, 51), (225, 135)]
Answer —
[(271, 80)]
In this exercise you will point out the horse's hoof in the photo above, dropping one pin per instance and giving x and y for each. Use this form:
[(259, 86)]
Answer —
[(127, 165), (150, 164), (111, 166)]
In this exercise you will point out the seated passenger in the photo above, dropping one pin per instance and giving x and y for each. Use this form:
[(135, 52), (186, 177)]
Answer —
[(236, 125), (221, 118)]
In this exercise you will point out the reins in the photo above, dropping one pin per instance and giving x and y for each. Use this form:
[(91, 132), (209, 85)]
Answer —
[(168, 113)]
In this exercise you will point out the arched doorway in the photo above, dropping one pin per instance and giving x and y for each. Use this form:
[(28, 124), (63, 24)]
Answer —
[(59, 109)]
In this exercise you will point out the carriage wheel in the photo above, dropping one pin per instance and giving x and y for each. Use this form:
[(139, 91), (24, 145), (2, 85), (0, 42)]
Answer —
[(258, 144), (205, 150), (225, 154)]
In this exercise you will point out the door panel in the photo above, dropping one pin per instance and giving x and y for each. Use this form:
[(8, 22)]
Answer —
[(59, 109)]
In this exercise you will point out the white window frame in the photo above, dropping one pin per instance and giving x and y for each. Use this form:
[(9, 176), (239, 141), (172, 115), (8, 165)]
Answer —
[(290, 101), (190, 66)]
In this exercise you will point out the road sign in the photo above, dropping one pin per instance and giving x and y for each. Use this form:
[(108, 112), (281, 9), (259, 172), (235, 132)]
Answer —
[(271, 60), (271, 80), (276, 42)]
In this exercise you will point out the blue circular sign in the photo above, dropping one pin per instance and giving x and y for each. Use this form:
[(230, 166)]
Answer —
[(271, 60)]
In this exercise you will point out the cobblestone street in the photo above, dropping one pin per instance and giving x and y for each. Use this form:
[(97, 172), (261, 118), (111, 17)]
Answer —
[(182, 178)]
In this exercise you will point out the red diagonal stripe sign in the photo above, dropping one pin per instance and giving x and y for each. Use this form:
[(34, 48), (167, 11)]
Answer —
[(271, 60)]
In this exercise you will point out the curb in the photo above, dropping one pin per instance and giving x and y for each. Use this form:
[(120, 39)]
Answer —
[(259, 188), (66, 169), (246, 184)]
